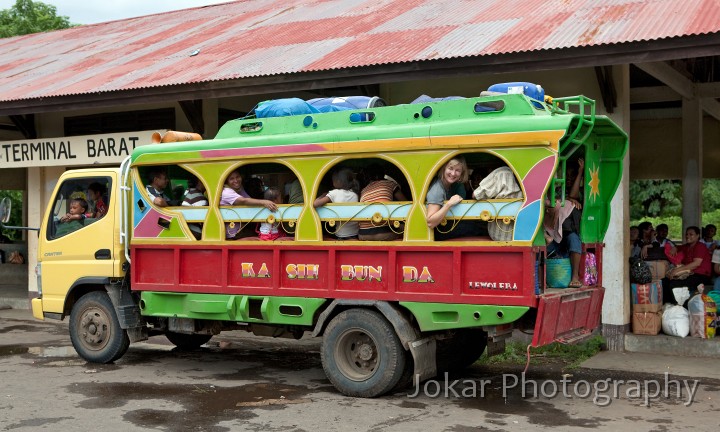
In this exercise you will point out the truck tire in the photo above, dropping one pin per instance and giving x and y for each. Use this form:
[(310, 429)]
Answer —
[(187, 342), (361, 354), (95, 331), (461, 350)]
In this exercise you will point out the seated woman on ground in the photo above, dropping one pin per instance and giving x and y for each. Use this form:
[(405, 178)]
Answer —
[(695, 267), (234, 194), (379, 189), (445, 192)]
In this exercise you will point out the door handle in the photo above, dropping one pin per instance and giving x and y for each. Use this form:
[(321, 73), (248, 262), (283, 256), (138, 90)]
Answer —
[(102, 254)]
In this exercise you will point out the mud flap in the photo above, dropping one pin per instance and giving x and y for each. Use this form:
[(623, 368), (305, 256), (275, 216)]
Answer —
[(423, 352), (568, 315)]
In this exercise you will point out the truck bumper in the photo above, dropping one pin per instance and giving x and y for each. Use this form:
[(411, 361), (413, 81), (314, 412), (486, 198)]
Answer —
[(37, 309)]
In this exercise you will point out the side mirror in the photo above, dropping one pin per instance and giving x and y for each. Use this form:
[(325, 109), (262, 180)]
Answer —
[(5, 207)]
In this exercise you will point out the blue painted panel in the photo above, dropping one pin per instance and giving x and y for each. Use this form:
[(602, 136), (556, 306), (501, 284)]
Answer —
[(497, 208), (527, 221)]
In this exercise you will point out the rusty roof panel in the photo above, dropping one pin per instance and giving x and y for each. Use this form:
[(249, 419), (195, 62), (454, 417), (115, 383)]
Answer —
[(241, 39)]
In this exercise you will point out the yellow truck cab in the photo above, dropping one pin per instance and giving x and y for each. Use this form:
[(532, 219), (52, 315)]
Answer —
[(78, 256)]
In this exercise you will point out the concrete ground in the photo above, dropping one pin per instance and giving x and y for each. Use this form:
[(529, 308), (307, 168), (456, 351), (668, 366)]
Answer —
[(689, 357)]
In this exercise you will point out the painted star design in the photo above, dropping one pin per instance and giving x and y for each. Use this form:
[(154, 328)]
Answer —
[(594, 182)]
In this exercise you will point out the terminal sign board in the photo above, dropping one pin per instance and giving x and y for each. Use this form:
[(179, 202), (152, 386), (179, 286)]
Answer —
[(71, 151)]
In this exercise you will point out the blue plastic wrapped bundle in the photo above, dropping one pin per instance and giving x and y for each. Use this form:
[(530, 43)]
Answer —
[(425, 99), (284, 107), (531, 90), (331, 104)]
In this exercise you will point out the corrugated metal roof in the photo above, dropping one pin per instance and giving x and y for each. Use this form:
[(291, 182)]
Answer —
[(252, 38)]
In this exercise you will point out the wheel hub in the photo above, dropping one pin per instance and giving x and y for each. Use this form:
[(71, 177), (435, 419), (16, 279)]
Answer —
[(365, 352), (94, 327)]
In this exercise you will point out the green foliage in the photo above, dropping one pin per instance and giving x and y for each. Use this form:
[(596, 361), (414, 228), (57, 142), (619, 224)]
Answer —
[(571, 355), (660, 201), (655, 198), (15, 215), (28, 16), (711, 196)]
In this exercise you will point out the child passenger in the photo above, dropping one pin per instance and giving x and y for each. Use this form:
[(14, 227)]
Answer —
[(271, 231), (345, 191), (74, 219), (95, 193)]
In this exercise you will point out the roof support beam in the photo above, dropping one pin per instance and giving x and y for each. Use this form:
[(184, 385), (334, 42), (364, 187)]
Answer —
[(685, 88), (607, 87), (25, 124), (669, 76), (194, 112)]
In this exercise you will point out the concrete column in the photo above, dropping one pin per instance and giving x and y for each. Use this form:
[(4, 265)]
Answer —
[(40, 184), (692, 150), (616, 305), (35, 207)]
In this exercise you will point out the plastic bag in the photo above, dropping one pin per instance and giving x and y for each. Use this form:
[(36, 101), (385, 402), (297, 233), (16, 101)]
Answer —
[(16, 257), (703, 315), (639, 271), (675, 318), (591, 273)]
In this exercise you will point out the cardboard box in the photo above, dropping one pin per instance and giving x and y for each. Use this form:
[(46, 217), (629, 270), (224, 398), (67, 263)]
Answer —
[(658, 268), (641, 308), (647, 293), (646, 323)]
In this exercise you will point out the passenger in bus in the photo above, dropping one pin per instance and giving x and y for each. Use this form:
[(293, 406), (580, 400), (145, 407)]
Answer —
[(346, 187), (446, 191), (380, 188), (255, 187), (294, 192), (95, 193), (270, 231), (156, 189), (562, 224), (74, 219), (195, 197), (234, 194)]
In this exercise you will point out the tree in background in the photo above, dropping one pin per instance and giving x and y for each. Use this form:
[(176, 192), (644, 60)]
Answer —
[(15, 214), (28, 16), (655, 198), (660, 201)]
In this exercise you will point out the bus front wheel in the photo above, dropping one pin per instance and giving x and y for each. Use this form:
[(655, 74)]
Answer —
[(361, 354), (95, 331)]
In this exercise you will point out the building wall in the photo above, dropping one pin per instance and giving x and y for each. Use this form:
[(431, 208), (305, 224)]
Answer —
[(656, 148)]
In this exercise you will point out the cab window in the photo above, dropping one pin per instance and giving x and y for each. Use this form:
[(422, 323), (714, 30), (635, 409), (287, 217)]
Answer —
[(78, 203)]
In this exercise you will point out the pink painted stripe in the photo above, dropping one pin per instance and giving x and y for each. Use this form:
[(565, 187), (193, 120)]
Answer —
[(537, 178), (148, 227), (295, 148)]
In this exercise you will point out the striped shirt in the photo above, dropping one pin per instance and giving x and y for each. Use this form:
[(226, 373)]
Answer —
[(377, 191)]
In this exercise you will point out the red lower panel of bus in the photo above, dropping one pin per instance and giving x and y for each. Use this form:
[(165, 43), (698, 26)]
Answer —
[(567, 315), (473, 274)]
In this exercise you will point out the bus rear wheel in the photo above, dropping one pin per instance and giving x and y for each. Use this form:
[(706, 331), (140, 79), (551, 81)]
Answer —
[(187, 342), (95, 331), (361, 354)]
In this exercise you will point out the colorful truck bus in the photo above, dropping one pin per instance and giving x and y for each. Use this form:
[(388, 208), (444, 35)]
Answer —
[(386, 310)]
